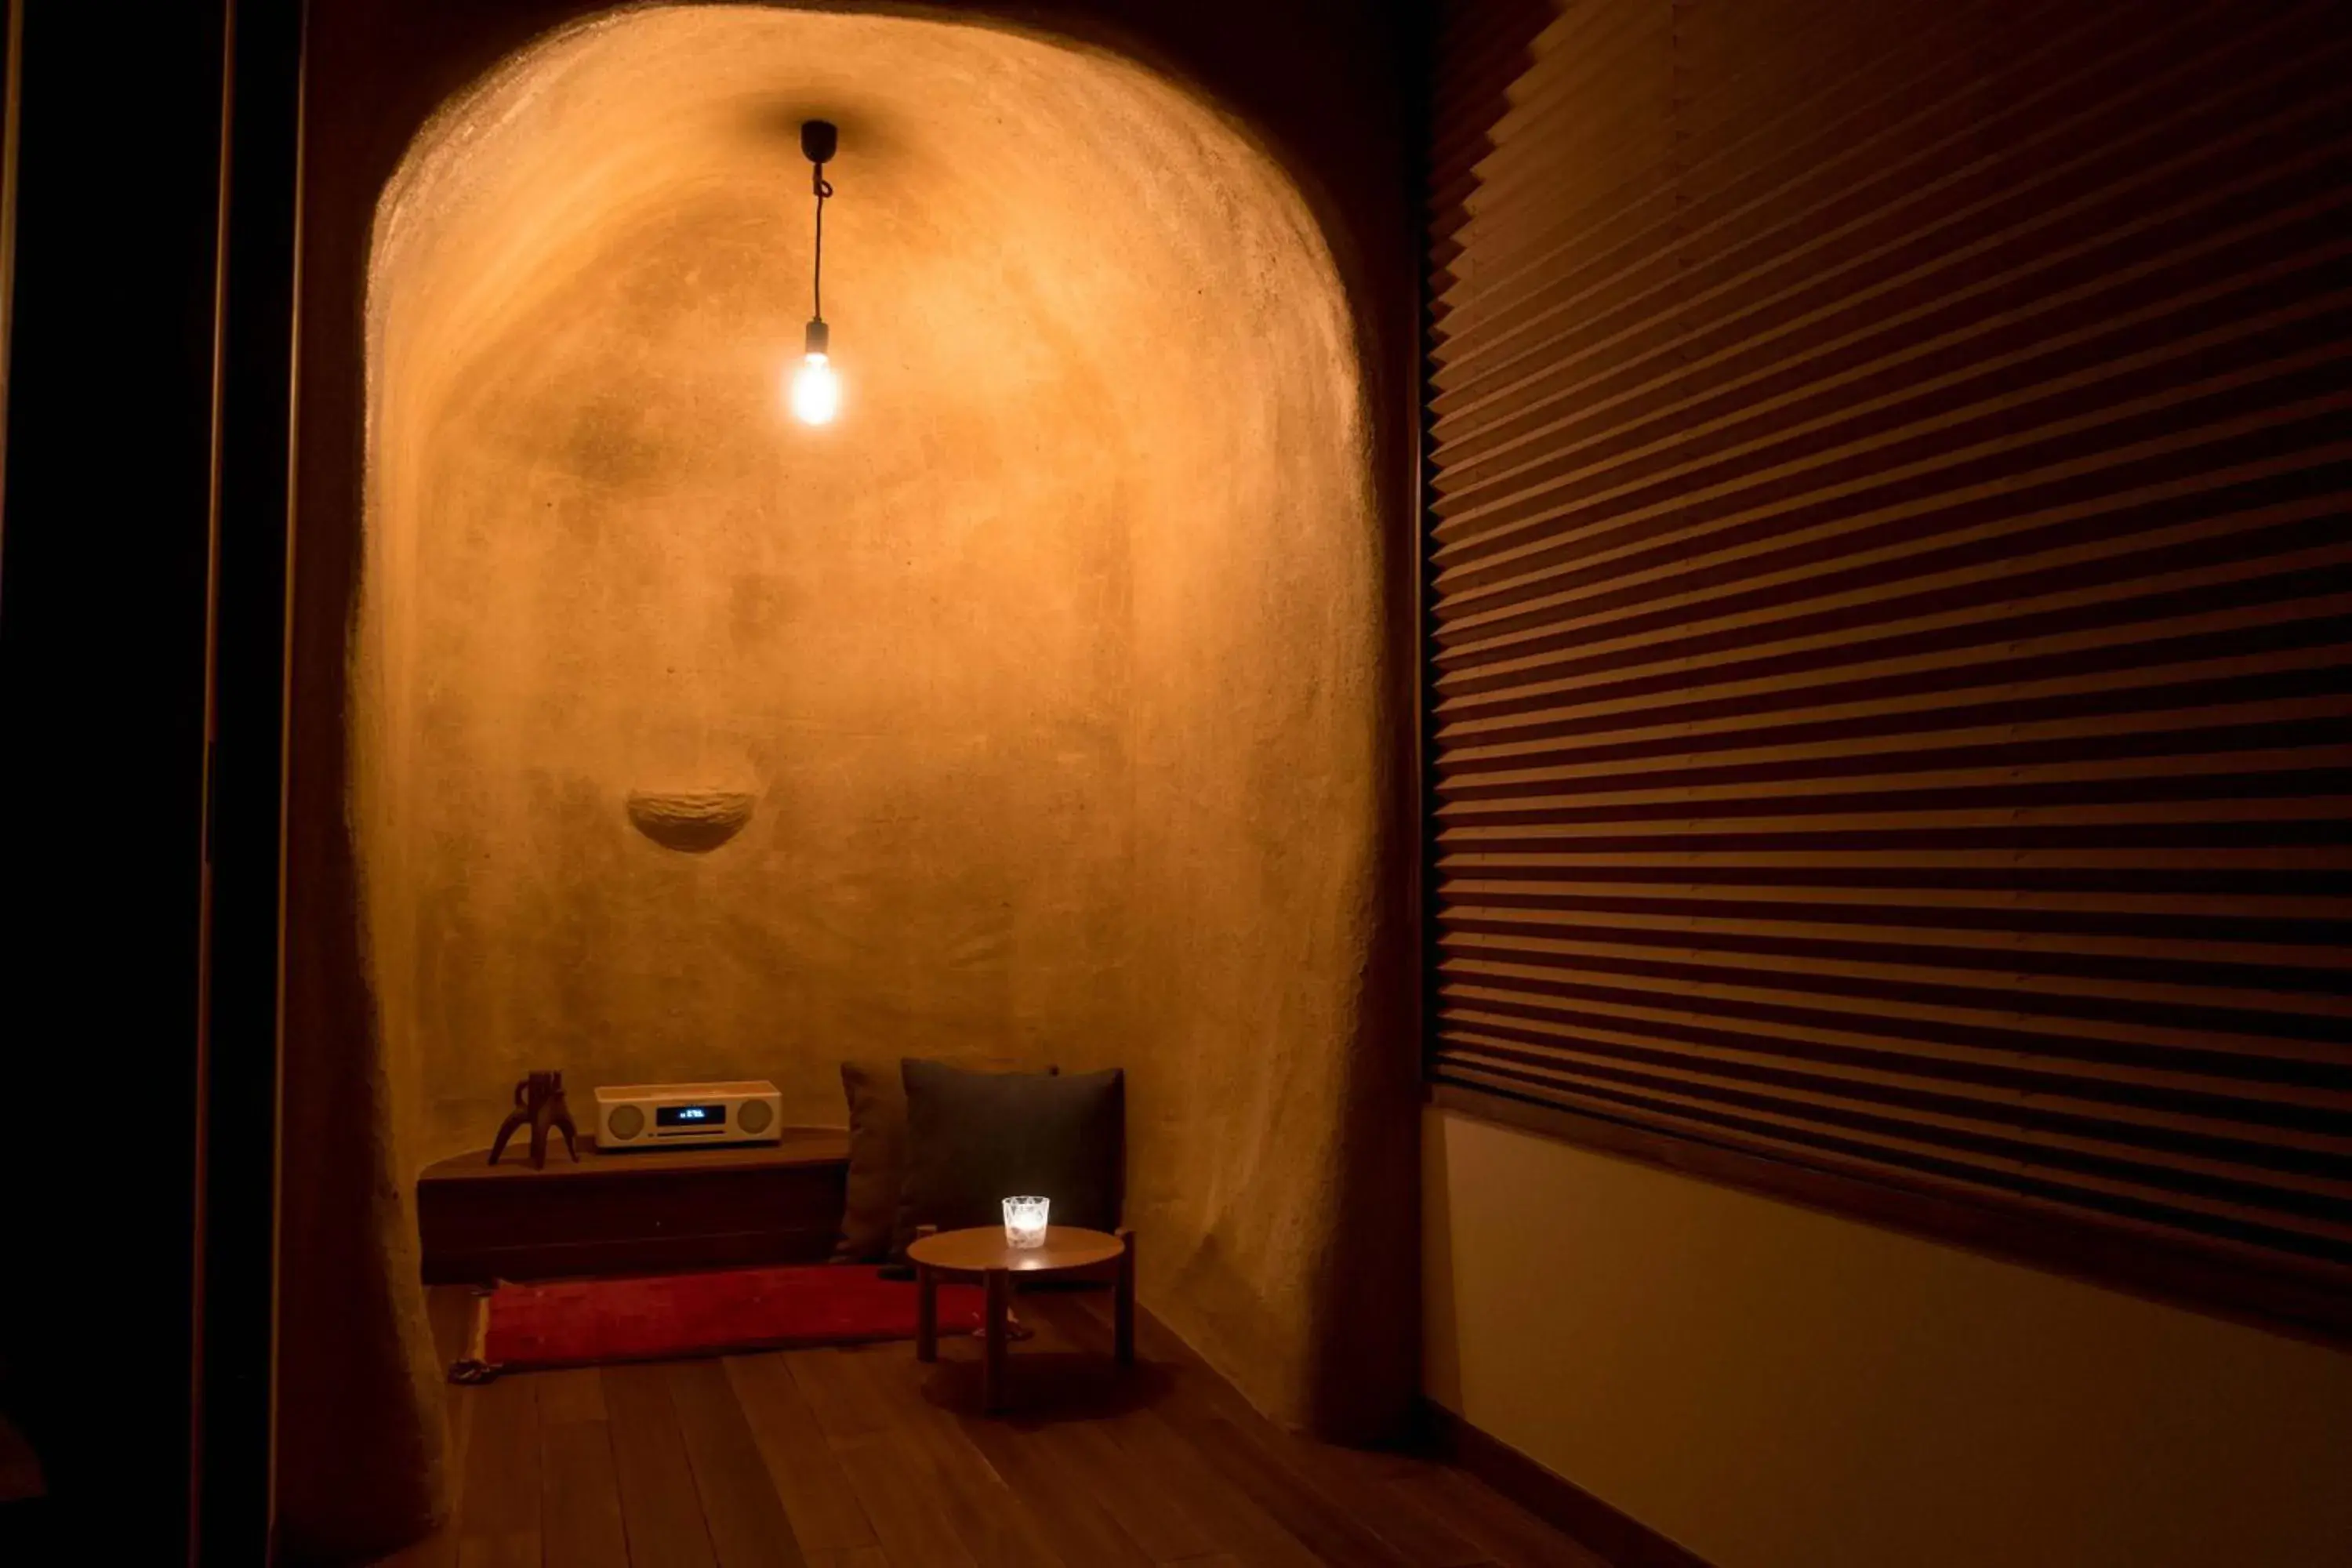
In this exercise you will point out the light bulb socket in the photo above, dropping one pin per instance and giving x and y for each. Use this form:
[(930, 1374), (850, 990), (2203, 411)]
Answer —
[(820, 339), (819, 139)]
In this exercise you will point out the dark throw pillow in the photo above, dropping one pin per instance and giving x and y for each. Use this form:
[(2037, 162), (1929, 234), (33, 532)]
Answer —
[(878, 1158), (974, 1139)]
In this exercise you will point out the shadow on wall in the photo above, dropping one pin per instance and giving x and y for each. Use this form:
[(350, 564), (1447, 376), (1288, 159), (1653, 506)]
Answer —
[(1030, 711)]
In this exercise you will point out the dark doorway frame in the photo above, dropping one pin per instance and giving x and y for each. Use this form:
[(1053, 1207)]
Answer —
[(143, 560)]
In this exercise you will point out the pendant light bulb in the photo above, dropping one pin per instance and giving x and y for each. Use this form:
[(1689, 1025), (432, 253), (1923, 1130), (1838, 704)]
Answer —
[(815, 388), (816, 391)]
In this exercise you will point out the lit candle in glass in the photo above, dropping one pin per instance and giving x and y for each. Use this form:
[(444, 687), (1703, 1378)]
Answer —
[(1024, 1222)]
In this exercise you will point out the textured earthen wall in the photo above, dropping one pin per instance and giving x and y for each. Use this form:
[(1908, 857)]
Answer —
[(1055, 667)]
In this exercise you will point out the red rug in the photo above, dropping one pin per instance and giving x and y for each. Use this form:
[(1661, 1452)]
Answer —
[(585, 1322)]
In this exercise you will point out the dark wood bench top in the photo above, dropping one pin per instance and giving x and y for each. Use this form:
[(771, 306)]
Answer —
[(799, 1146)]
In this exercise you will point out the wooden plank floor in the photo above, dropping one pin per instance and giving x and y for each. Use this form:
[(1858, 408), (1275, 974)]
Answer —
[(862, 1458)]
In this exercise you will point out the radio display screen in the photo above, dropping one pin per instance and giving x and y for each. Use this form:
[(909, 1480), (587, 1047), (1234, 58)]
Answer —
[(690, 1118)]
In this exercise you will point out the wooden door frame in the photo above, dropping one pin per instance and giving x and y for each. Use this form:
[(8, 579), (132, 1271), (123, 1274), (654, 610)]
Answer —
[(147, 263), (256, 335)]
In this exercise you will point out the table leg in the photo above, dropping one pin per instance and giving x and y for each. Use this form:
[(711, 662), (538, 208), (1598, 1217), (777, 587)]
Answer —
[(1123, 1301), (926, 1312), (1000, 1302)]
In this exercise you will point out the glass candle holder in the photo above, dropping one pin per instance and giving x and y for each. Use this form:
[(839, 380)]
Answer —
[(1024, 1222)]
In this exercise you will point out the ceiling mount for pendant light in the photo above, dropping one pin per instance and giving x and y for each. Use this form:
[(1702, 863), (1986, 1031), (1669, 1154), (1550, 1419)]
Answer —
[(817, 390)]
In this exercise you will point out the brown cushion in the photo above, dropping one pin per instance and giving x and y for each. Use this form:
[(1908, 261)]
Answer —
[(976, 1139), (877, 1159)]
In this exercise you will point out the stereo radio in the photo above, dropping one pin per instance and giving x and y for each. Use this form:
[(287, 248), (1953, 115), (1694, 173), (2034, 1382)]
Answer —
[(643, 1115)]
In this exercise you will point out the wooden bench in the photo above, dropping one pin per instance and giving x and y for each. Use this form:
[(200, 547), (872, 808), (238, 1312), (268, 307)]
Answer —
[(646, 1211)]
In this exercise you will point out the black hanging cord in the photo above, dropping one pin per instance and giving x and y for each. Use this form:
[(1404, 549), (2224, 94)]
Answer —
[(824, 188), (818, 140)]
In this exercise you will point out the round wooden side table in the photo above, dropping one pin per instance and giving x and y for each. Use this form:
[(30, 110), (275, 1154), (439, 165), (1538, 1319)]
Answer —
[(984, 1251)]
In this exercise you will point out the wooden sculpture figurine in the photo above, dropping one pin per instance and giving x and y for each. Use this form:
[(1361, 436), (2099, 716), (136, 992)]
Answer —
[(539, 1100)]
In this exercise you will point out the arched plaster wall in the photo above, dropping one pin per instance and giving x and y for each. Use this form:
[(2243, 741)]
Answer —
[(1053, 666)]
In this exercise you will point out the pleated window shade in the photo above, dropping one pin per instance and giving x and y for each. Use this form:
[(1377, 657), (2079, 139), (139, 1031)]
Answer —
[(1888, 560)]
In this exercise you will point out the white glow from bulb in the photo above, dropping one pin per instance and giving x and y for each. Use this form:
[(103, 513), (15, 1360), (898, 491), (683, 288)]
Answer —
[(816, 391)]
